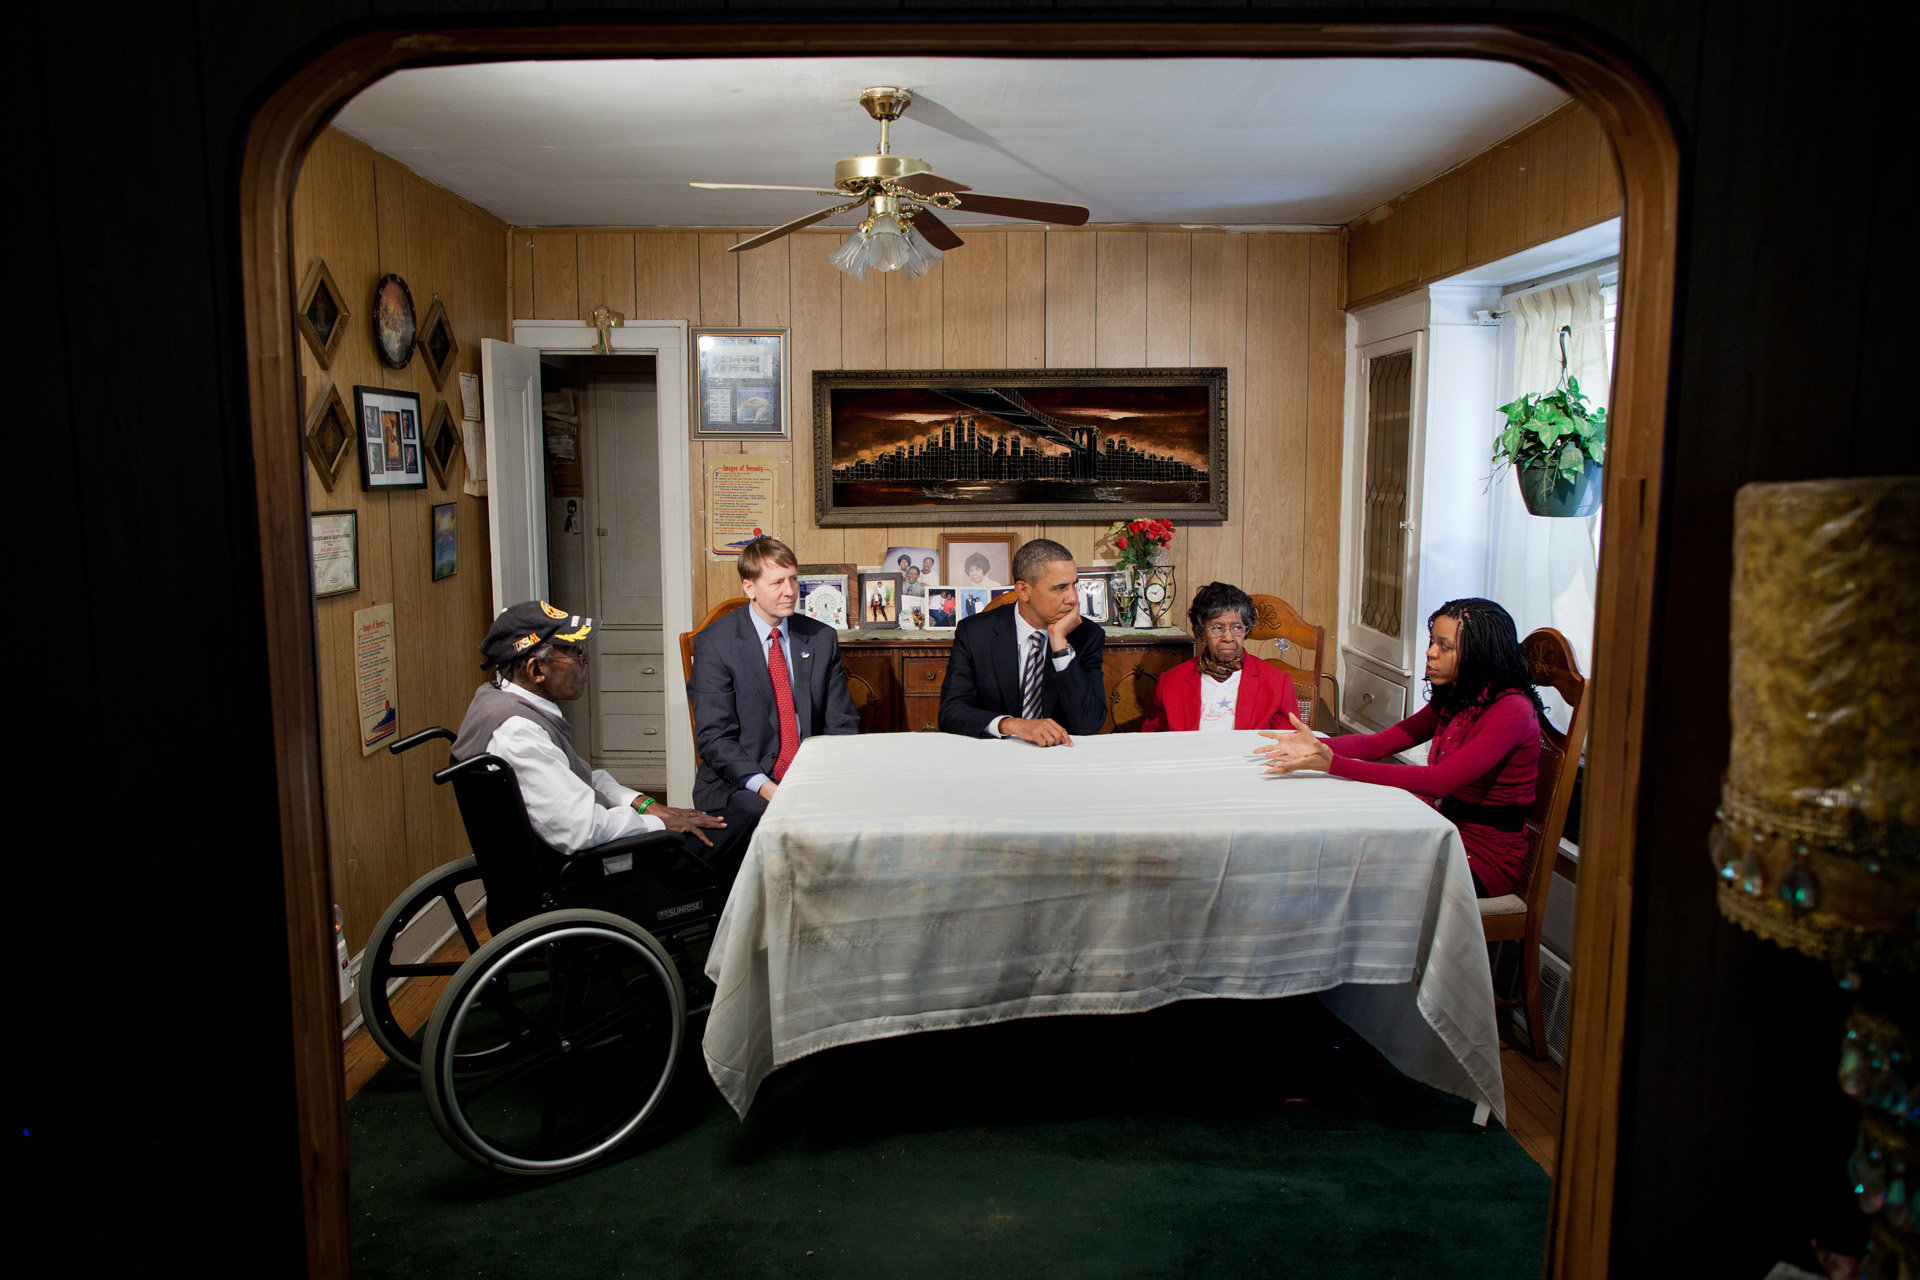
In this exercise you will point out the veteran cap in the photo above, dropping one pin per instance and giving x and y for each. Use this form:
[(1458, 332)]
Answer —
[(527, 625)]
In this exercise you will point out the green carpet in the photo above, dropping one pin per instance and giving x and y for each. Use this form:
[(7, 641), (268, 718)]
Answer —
[(1210, 1138)]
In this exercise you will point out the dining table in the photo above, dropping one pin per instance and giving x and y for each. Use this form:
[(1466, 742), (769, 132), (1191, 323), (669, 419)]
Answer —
[(910, 882)]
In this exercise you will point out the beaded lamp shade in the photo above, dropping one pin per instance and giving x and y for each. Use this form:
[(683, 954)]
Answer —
[(1817, 846)]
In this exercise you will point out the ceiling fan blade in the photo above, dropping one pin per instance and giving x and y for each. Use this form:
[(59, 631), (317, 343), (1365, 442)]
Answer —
[(760, 186), (937, 233), (928, 184), (1070, 215), (787, 229)]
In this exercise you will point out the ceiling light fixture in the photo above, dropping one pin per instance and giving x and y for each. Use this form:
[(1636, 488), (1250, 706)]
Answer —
[(901, 229)]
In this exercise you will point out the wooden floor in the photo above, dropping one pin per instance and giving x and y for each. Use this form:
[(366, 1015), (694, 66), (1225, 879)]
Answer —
[(1534, 1089)]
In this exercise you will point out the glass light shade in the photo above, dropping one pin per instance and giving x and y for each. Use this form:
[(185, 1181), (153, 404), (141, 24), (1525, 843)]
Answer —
[(885, 247)]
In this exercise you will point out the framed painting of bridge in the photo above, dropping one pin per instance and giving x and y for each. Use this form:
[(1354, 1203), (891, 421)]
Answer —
[(963, 446)]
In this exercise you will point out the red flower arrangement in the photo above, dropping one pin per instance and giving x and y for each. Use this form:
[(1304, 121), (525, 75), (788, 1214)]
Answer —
[(1137, 541)]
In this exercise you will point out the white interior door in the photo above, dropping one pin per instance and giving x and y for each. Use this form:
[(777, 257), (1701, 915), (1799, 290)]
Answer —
[(516, 472)]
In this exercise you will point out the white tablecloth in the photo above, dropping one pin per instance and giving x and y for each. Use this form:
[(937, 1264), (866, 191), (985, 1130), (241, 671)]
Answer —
[(915, 882)]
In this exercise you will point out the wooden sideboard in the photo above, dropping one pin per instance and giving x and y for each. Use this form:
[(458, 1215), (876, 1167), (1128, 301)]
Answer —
[(895, 677)]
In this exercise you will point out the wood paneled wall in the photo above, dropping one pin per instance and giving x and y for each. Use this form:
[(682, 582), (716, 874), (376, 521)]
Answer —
[(1264, 305), (367, 215), (1555, 176)]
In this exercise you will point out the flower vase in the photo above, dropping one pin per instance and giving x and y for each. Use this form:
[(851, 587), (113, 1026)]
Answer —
[(1157, 595)]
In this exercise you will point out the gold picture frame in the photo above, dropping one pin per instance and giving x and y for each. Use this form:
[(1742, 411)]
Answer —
[(436, 343), (321, 313), (328, 435)]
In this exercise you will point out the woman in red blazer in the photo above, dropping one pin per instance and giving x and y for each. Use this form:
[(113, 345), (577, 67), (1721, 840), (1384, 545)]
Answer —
[(1222, 687)]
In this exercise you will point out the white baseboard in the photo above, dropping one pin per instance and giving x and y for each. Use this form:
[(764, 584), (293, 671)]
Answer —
[(429, 932)]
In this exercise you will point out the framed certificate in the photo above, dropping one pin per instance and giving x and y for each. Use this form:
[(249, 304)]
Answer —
[(740, 384), (336, 552)]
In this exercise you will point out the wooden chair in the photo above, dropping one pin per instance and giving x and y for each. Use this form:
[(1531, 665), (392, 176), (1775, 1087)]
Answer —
[(1276, 620), (1517, 917), (714, 615), (997, 601)]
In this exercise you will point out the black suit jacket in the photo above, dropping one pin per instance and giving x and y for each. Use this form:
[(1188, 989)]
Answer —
[(736, 722), (983, 677)]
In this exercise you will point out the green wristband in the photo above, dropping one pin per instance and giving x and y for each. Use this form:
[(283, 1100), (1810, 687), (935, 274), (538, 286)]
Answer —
[(641, 803)]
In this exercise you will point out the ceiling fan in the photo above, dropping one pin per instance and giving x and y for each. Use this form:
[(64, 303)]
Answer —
[(900, 194)]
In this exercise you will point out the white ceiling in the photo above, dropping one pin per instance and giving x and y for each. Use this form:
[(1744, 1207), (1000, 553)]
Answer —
[(1230, 142)]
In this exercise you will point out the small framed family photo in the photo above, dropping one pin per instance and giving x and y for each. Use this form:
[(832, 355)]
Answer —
[(943, 610), (826, 594), (971, 600), (918, 567), (879, 599), (1092, 587), (913, 613), (977, 559)]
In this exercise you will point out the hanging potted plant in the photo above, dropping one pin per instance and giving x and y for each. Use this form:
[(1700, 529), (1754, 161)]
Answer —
[(1558, 445)]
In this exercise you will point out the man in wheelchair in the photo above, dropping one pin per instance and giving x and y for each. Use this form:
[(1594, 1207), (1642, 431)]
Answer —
[(538, 656)]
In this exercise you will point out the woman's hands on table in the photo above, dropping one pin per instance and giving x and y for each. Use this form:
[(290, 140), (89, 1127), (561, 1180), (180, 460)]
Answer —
[(1295, 750)]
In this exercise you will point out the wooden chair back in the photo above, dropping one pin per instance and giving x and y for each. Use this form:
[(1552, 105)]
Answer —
[(997, 601), (1276, 620), (714, 615), (1550, 660)]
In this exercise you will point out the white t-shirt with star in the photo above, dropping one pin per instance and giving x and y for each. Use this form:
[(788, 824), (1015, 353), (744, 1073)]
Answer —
[(1218, 700)]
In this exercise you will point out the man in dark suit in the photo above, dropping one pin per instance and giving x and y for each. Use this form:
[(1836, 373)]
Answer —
[(1032, 671), (746, 732)]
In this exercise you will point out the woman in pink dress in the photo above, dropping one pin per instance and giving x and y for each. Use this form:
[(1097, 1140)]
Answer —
[(1483, 718)]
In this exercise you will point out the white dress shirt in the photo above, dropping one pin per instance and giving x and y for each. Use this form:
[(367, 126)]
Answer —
[(1021, 630), (564, 811), (765, 631)]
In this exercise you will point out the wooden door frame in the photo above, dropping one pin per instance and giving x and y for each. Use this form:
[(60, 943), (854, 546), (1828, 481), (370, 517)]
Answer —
[(291, 118)]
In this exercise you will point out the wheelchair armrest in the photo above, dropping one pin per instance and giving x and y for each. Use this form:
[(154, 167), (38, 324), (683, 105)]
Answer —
[(413, 740), (644, 843), (458, 767)]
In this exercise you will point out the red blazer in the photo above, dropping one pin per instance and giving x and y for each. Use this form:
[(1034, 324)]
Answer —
[(1266, 698)]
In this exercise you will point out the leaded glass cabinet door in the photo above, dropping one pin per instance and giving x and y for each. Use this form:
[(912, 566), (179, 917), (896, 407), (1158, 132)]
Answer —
[(1381, 592)]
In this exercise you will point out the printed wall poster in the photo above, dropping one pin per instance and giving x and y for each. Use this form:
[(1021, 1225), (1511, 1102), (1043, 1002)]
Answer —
[(373, 676), (739, 501)]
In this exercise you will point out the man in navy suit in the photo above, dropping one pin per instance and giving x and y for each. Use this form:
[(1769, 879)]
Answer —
[(746, 732), (1032, 671)]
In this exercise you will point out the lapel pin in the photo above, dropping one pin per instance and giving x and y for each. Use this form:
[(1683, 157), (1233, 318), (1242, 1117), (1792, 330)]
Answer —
[(805, 654)]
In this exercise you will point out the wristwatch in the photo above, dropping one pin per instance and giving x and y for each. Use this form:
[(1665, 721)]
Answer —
[(1060, 653)]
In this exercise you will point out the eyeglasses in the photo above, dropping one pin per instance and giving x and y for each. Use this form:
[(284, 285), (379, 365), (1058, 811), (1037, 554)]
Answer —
[(568, 651), (1238, 630)]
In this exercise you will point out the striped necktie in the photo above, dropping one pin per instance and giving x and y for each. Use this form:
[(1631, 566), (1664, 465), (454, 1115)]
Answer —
[(1030, 680)]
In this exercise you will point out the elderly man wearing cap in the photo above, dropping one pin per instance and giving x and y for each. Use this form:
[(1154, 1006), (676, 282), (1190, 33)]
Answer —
[(538, 655)]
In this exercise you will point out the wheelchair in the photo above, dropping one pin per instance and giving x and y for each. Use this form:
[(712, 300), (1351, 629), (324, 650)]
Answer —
[(556, 1038)]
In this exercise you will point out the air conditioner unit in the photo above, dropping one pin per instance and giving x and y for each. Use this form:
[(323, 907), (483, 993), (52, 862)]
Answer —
[(1556, 991)]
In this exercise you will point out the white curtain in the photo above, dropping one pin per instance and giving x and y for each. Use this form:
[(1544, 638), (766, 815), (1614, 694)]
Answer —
[(1541, 568)]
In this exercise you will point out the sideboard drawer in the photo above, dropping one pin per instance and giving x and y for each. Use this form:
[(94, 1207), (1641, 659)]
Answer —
[(923, 675), (923, 714), (1372, 701)]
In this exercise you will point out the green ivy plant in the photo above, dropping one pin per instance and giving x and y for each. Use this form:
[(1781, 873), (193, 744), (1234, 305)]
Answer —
[(1557, 432)]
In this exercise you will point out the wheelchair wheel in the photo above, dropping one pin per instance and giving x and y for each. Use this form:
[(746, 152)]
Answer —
[(378, 968), (591, 1014)]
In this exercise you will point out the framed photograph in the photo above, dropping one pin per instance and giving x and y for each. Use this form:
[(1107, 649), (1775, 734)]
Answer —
[(446, 540), (329, 434), (913, 612), (444, 443), (943, 609), (972, 600), (879, 600), (978, 559), (949, 447), (826, 594), (1092, 587), (740, 384), (436, 343), (389, 435), (321, 315), (393, 325), (918, 567), (336, 552)]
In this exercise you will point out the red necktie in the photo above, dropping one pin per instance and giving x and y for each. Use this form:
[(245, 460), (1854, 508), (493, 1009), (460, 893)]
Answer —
[(783, 698)]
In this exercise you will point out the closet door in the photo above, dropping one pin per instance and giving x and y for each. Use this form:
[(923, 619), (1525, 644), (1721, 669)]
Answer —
[(1382, 625)]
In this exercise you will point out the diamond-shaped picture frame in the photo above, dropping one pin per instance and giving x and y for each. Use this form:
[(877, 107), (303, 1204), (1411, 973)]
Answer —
[(321, 314), (329, 434), (444, 443), (436, 343)]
